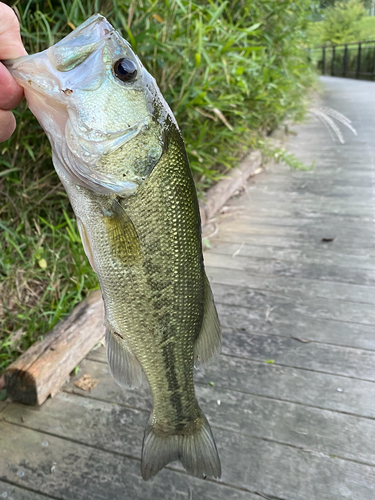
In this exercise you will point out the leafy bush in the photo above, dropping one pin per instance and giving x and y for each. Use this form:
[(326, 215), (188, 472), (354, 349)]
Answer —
[(341, 24), (367, 28), (231, 71)]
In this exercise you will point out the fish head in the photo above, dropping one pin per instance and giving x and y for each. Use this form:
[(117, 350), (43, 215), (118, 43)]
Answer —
[(101, 109)]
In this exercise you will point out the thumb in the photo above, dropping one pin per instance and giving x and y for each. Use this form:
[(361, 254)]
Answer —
[(10, 39)]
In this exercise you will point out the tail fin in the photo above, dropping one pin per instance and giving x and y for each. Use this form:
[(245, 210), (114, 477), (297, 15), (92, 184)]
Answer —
[(196, 451)]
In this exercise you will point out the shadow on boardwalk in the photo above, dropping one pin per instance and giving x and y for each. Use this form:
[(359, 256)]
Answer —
[(292, 398)]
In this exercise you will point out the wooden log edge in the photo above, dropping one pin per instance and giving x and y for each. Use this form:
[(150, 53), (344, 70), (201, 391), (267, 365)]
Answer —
[(220, 193), (42, 370), (45, 366)]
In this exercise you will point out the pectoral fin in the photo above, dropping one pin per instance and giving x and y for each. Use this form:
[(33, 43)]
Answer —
[(123, 365), (122, 235), (208, 344), (86, 243)]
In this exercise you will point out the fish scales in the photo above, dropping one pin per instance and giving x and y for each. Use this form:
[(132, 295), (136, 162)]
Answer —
[(127, 176), (167, 291)]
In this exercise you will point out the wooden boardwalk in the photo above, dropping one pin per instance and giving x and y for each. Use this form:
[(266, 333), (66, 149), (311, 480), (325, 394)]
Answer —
[(292, 398)]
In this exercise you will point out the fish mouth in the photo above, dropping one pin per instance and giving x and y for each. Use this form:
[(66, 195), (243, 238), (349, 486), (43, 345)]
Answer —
[(50, 72)]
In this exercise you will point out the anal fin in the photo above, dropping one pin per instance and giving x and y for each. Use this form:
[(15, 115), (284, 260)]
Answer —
[(124, 366), (208, 344)]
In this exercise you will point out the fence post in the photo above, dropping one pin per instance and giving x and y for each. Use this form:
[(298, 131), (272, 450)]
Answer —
[(373, 66), (345, 62), (333, 60), (324, 61), (358, 61)]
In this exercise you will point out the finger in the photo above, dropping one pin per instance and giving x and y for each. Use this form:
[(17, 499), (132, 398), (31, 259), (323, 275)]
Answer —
[(10, 38), (7, 124), (11, 93)]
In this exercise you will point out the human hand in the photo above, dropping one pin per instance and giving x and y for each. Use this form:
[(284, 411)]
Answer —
[(10, 92)]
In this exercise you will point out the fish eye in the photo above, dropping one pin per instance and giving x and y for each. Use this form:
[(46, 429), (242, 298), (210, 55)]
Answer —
[(125, 70)]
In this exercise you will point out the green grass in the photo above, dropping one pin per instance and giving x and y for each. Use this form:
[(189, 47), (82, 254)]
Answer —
[(43, 270), (231, 72)]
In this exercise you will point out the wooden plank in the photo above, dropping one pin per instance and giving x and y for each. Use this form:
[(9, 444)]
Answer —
[(329, 178), (342, 183), (296, 325), (343, 227), (285, 351), (253, 465), (251, 377), (291, 239), (258, 195), (340, 177), (292, 287), (349, 236), (12, 492), (326, 255), (330, 170), (117, 428), (292, 384), (42, 369), (293, 269), (308, 210), (313, 307), (68, 470), (328, 189)]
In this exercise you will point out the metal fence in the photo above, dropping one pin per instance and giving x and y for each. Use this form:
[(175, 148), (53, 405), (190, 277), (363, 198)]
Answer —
[(350, 60)]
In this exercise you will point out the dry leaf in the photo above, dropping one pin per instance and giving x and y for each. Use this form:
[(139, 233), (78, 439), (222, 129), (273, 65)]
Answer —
[(301, 340), (220, 115), (15, 337), (158, 18), (86, 383), (207, 115), (238, 250)]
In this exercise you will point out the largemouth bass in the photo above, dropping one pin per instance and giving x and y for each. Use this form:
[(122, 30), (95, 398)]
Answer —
[(119, 153)]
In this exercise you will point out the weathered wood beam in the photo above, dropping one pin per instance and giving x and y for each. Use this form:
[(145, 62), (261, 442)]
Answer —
[(219, 194), (44, 367)]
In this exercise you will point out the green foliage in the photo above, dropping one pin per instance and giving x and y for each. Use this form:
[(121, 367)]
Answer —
[(230, 70), (280, 154), (366, 28), (341, 24), (330, 3)]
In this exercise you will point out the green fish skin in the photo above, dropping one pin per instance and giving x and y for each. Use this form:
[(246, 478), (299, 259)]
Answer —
[(120, 156)]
